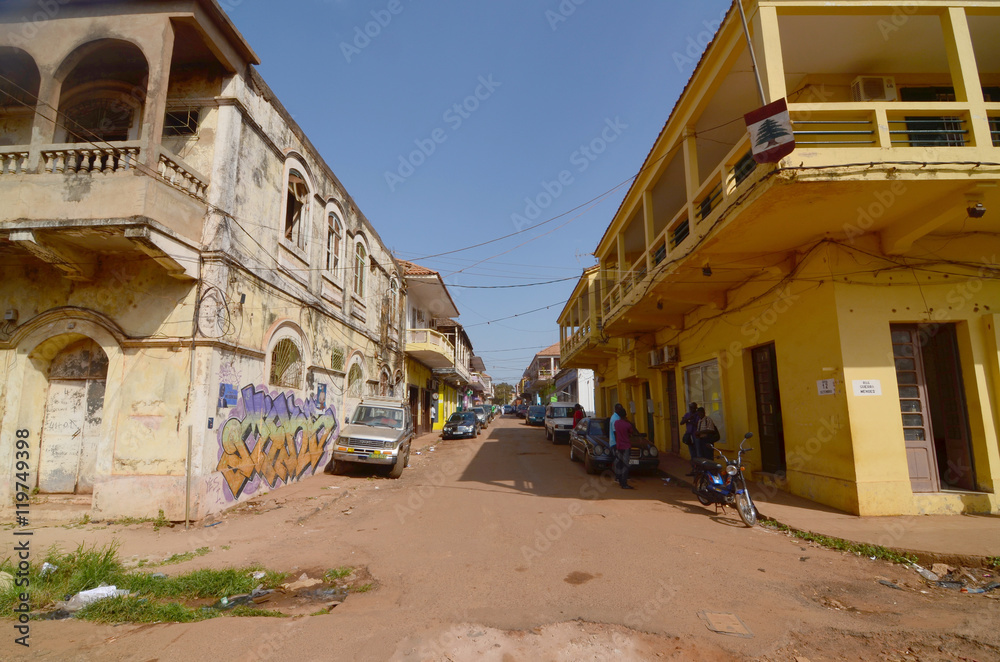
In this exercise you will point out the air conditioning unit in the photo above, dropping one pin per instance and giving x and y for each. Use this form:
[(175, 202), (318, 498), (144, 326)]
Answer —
[(874, 88), (655, 358), (671, 354)]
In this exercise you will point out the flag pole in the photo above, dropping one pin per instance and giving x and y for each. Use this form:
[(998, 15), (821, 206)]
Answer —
[(753, 57)]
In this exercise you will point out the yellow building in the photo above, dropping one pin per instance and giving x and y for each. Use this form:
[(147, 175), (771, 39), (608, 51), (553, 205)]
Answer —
[(192, 301), (843, 304)]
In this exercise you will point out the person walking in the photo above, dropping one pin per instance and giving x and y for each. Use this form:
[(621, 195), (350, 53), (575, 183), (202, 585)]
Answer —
[(706, 434), (623, 446), (578, 414)]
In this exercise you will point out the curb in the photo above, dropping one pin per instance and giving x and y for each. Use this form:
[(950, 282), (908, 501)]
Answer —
[(923, 557)]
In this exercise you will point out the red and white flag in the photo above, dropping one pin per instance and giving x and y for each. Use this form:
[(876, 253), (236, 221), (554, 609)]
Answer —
[(771, 136)]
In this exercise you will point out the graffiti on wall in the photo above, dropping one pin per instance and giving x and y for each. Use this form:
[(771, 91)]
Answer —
[(273, 437)]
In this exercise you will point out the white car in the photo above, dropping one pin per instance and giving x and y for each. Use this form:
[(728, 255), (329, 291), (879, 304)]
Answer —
[(379, 433), (559, 421)]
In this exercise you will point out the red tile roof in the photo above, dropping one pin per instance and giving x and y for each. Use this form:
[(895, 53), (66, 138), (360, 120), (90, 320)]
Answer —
[(412, 269)]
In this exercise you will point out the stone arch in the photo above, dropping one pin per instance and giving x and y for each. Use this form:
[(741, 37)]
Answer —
[(20, 82), (103, 92), (287, 356)]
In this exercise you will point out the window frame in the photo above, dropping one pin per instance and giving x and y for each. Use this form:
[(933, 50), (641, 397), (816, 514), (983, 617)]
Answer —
[(714, 407), (334, 233), (361, 257)]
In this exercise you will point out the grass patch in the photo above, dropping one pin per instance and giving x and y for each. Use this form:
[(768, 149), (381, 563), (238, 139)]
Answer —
[(142, 610), (186, 556), (364, 588), (86, 568), (993, 562), (830, 542), (251, 612), (334, 574)]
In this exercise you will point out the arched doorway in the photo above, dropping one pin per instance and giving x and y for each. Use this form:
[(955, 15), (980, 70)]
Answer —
[(74, 409)]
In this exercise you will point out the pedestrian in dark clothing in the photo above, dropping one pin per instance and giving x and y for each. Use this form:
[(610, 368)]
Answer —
[(690, 423), (623, 446), (706, 435)]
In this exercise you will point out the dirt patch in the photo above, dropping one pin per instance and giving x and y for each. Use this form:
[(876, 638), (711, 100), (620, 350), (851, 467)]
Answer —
[(577, 578)]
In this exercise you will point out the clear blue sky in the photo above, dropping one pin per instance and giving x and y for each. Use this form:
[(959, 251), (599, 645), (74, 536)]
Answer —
[(549, 81)]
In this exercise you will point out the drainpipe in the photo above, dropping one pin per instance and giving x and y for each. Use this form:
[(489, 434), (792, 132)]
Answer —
[(187, 400)]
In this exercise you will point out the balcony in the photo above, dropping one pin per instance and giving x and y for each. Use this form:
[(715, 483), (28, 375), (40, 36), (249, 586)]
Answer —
[(431, 348)]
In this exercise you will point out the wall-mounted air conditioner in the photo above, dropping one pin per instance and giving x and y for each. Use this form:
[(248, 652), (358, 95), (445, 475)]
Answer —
[(874, 88), (655, 358)]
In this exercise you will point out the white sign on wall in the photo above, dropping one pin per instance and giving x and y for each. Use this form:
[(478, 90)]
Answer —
[(826, 386), (867, 387)]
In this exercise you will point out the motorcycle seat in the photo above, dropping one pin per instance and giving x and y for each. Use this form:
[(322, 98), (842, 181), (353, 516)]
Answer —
[(709, 465)]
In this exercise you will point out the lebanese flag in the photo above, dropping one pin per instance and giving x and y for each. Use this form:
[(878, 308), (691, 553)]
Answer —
[(771, 137)]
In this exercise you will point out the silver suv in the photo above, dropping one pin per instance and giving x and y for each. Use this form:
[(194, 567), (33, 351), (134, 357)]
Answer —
[(380, 432), (559, 421)]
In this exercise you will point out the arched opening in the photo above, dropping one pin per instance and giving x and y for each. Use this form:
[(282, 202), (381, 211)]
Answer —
[(286, 365), (104, 94), (355, 381), (74, 409), (296, 209), (334, 238), (19, 86), (360, 264)]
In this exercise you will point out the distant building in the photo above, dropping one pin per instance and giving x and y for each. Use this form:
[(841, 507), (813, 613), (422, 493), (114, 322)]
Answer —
[(539, 377), (576, 385)]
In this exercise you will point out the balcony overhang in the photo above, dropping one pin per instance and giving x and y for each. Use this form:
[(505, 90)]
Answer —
[(789, 210), (77, 248), (430, 355)]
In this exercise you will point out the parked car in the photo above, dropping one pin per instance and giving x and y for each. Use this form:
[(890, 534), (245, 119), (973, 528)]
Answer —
[(559, 421), (588, 443), (484, 419), (508, 409), (522, 411), (535, 415), (380, 433), (461, 424)]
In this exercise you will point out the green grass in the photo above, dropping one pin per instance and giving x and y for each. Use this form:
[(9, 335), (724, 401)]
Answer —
[(993, 562), (830, 542), (364, 588), (86, 568), (337, 573), (186, 556)]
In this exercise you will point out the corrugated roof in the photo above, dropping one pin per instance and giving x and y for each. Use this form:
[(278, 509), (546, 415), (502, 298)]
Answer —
[(412, 269)]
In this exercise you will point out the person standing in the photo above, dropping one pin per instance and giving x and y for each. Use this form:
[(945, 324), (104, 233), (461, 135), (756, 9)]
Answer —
[(690, 423), (623, 446), (706, 434), (611, 427), (578, 414)]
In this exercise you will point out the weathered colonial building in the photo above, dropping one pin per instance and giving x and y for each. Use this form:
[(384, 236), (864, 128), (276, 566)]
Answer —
[(842, 304), (192, 301)]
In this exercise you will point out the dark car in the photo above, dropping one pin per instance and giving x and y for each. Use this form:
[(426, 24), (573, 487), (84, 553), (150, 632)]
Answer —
[(521, 411), (588, 443), (535, 415), (461, 424)]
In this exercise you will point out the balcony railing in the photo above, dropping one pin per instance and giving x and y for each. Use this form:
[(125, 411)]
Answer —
[(430, 337), (94, 160)]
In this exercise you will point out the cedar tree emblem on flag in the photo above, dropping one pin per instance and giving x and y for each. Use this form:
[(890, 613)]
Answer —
[(771, 136)]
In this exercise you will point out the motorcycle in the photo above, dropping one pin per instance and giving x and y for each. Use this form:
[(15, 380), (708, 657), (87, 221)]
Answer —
[(723, 484)]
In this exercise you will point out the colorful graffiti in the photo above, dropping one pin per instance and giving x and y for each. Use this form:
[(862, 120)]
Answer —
[(270, 438)]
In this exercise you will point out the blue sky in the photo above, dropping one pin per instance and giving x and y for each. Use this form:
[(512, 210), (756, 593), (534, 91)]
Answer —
[(458, 114)]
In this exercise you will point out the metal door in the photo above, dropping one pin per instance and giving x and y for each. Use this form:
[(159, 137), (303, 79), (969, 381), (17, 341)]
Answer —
[(917, 433)]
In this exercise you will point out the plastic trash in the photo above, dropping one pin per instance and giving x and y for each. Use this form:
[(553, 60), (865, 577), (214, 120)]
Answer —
[(925, 573), (227, 603), (47, 569), (84, 598), (259, 574), (884, 582), (158, 575), (954, 585), (986, 589)]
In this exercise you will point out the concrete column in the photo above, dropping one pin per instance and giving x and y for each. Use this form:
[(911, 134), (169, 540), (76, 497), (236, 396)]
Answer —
[(151, 133), (965, 73), (43, 127), (767, 48)]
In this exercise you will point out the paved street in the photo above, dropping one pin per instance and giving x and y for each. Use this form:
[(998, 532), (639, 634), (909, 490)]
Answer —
[(501, 548)]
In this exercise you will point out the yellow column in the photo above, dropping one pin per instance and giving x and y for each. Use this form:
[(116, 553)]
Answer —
[(965, 72), (767, 48)]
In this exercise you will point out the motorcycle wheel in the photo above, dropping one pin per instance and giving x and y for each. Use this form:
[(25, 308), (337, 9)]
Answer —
[(745, 507), (701, 488)]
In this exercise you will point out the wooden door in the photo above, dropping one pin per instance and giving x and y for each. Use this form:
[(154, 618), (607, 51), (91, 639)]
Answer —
[(772, 434), (917, 433), (675, 420), (71, 431)]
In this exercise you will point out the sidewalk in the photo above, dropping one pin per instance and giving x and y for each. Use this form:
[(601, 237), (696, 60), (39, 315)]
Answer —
[(932, 538)]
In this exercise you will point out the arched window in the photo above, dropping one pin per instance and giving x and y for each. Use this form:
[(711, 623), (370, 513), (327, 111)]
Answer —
[(355, 380), (393, 303), (334, 235), (296, 209), (360, 264), (384, 388), (286, 365)]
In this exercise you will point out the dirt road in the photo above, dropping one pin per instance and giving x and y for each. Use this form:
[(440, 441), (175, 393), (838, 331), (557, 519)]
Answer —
[(500, 548)]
